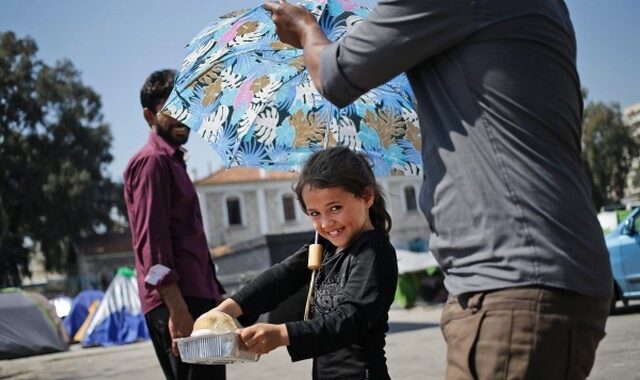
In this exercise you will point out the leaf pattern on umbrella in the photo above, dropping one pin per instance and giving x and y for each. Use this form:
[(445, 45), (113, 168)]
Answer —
[(251, 98), (307, 129)]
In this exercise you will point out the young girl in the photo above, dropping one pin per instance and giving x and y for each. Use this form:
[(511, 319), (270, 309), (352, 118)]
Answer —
[(356, 282)]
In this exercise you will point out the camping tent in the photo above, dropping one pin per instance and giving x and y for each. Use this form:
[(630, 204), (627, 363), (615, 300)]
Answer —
[(415, 261), (413, 267), (119, 318), (27, 327), (62, 305), (80, 309)]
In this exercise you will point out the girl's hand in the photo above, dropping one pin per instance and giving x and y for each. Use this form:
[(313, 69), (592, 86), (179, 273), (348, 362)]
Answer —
[(262, 338), (230, 307)]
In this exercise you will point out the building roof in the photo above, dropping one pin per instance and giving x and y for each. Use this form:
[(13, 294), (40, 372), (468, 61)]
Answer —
[(243, 175)]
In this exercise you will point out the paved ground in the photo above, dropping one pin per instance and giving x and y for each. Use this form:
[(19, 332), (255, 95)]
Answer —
[(415, 350)]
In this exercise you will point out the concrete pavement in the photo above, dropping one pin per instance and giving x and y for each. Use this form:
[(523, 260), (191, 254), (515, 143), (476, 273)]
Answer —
[(415, 351)]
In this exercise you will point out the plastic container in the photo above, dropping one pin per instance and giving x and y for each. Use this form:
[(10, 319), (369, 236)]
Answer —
[(214, 349)]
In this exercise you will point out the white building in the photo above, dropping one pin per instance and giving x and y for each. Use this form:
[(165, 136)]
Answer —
[(241, 204), (631, 118)]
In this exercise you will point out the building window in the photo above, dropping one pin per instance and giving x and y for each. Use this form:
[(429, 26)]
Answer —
[(410, 198), (233, 211), (288, 208)]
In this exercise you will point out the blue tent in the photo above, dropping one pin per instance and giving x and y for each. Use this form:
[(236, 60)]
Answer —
[(80, 310), (119, 318)]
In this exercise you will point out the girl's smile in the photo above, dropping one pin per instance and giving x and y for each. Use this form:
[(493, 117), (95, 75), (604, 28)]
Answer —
[(338, 215)]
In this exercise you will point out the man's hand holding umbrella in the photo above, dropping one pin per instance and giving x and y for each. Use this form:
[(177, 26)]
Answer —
[(297, 27)]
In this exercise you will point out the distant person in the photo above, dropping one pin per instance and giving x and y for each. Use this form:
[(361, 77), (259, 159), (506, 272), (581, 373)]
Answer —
[(176, 277), (505, 193), (345, 334)]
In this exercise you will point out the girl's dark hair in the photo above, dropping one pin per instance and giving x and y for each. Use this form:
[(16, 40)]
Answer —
[(156, 88), (342, 167)]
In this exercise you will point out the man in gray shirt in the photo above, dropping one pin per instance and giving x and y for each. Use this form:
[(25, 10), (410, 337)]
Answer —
[(505, 191)]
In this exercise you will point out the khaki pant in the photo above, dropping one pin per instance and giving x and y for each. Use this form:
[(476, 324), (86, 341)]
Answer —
[(522, 333)]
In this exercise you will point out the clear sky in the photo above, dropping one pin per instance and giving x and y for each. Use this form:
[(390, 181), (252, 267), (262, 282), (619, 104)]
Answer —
[(115, 44)]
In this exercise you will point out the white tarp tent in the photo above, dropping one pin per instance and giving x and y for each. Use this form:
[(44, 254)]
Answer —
[(409, 261)]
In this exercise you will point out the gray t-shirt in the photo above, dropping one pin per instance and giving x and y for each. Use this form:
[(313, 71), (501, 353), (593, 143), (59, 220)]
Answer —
[(505, 190)]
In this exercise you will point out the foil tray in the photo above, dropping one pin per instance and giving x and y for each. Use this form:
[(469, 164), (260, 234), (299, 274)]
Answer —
[(214, 349)]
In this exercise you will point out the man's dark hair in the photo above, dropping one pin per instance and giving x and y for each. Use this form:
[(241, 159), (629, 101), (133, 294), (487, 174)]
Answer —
[(156, 88)]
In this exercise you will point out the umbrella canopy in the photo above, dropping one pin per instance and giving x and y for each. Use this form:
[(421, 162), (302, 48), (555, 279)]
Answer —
[(251, 98)]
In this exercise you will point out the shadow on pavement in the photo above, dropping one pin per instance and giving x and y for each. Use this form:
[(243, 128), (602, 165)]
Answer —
[(397, 327)]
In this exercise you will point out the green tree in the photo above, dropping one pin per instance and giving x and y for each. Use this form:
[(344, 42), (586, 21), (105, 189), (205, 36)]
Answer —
[(608, 149), (54, 149)]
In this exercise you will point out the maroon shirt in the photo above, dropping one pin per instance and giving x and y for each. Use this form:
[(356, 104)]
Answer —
[(166, 225)]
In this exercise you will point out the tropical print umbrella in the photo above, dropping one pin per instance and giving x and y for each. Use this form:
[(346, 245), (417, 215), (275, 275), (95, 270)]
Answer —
[(251, 98)]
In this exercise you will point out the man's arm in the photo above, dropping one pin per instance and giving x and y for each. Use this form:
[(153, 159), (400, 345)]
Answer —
[(150, 185), (180, 320), (396, 36)]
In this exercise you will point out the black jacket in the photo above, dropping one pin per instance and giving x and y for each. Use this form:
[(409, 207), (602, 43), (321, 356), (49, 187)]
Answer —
[(353, 293)]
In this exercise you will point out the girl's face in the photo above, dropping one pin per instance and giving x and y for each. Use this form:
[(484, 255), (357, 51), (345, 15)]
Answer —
[(338, 215)]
